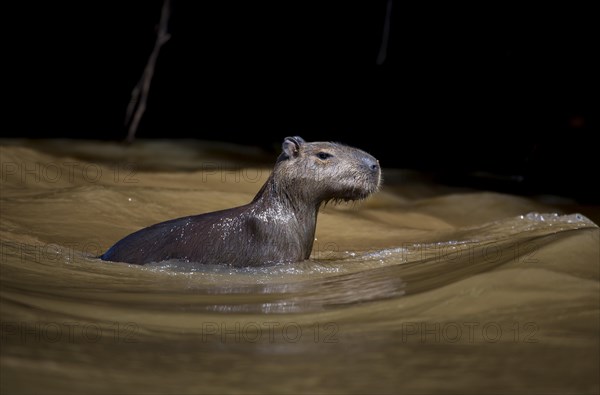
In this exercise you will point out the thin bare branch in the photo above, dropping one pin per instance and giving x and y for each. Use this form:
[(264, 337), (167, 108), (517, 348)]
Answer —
[(139, 94), (385, 35)]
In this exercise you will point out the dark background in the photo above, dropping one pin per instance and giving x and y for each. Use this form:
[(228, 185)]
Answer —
[(501, 97)]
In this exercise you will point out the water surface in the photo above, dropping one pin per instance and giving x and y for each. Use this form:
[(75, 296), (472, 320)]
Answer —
[(420, 289)]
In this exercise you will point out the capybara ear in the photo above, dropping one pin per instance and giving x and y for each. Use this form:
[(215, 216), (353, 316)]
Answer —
[(291, 146)]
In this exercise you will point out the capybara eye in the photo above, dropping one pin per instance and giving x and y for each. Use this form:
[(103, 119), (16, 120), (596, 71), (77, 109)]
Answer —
[(323, 155)]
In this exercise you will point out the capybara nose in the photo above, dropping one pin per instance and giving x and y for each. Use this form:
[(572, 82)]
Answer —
[(371, 163)]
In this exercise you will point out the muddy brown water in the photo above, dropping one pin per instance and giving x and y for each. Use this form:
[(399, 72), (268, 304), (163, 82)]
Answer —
[(420, 289)]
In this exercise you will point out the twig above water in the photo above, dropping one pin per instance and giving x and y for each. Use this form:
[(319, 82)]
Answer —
[(385, 35), (139, 94)]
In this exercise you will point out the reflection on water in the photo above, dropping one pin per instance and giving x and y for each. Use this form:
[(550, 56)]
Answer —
[(417, 290)]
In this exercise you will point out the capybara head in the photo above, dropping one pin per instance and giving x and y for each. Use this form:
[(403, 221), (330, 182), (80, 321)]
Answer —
[(323, 171)]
